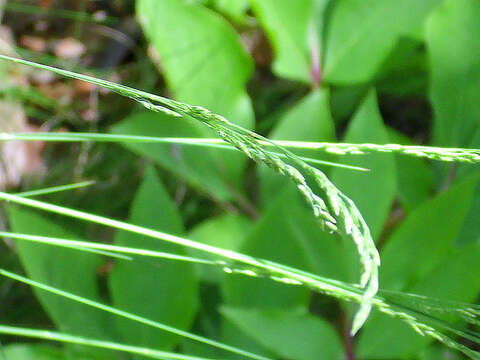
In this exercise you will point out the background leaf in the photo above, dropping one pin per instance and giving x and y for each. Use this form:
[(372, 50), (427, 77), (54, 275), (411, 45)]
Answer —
[(204, 64), (225, 232), (32, 352), (453, 34), (278, 331), (417, 259), (414, 176), (201, 168), (359, 36), (163, 291), (288, 35), (66, 269)]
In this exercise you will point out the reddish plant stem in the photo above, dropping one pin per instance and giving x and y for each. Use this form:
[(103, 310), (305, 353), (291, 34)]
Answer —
[(347, 338)]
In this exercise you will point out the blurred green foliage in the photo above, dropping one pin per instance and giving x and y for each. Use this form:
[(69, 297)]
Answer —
[(328, 69)]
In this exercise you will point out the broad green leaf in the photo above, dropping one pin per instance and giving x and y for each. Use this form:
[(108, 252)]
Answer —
[(414, 178), (309, 120), (454, 279), (416, 259), (453, 34), (428, 233), (470, 232), (289, 334), (287, 24), (67, 269), (289, 234), (233, 8), (345, 100), (362, 33), (232, 334), (195, 348), (225, 232), (436, 352), (164, 290), (201, 55), (199, 167), (32, 352), (204, 63), (373, 192)]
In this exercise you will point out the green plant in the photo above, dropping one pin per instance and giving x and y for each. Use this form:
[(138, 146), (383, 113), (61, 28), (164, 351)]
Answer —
[(283, 290)]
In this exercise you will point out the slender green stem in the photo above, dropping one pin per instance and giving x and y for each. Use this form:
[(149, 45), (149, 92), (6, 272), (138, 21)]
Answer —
[(55, 189)]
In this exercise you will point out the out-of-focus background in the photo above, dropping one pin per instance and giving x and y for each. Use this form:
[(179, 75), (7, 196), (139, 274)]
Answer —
[(376, 71)]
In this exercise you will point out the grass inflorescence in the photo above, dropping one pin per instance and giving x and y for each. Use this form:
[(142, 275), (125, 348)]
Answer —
[(334, 211)]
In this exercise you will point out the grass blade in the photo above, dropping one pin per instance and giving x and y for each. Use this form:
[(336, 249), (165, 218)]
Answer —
[(104, 249), (97, 137), (416, 317), (429, 152), (55, 189), (127, 315), (73, 339)]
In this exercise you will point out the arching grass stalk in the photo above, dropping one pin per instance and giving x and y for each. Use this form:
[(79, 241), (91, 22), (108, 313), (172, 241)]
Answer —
[(331, 207)]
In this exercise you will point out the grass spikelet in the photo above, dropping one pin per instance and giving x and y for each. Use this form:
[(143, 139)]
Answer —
[(471, 156), (333, 209)]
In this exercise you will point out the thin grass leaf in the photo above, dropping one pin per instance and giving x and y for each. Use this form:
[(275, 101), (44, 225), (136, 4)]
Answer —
[(469, 313), (97, 137), (100, 252), (104, 249), (73, 339), (55, 189), (430, 152), (422, 321), (128, 315)]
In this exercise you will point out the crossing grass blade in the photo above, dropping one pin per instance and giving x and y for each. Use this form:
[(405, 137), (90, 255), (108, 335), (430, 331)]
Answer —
[(98, 137), (78, 340), (400, 307), (55, 189), (128, 315), (104, 249)]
